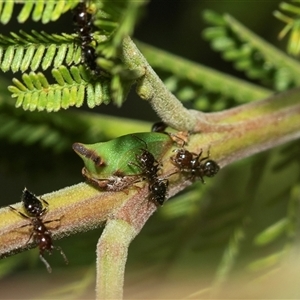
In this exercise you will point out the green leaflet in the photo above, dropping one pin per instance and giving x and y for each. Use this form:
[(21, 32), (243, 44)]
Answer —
[(42, 10), (271, 233), (23, 51), (250, 53), (72, 88)]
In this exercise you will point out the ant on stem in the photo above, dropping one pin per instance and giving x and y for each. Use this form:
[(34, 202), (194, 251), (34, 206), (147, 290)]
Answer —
[(150, 167), (194, 165), (40, 233)]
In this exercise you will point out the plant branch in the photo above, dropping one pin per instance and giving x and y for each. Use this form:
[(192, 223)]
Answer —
[(112, 252), (151, 88), (253, 127), (233, 134)]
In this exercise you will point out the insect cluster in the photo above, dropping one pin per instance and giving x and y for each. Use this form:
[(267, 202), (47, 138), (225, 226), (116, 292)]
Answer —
[(150, 168), (117, 164), (41, 235), (82, 19)]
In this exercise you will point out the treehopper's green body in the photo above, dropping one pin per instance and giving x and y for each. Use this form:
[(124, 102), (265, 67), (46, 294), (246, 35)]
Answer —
[(112, 165)]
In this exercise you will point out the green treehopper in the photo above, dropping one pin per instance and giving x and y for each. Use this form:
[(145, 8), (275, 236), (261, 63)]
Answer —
[(111, 165)]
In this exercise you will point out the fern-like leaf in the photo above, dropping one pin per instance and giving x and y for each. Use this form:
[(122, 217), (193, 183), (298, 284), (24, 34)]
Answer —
[(292, 26), (116, 19), (282, 232), (59, 130), (257, 58), (23, 51), (41, 10), (72, 87)]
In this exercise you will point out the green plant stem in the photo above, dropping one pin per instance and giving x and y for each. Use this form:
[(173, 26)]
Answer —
[(112, 252), (152, 89)]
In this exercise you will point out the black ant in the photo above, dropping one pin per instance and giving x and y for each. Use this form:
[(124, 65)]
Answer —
[(150, 167), (159, 127), (188, 162), (158, 191), (147, 162), (84, 27), (40, 233), (180, 137)]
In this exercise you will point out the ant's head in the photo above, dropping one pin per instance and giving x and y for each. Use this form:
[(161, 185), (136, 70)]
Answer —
[(210, 168), (32, 204)]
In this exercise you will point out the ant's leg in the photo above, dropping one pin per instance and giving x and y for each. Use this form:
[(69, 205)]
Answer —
[(42, 258), (46, 204), (25, 217), (131, 163), (199, 155), (44, 201), (136, 165), (62, 254), (29, 236), (204, 158), (201, 178), (18, 212), (141, 140), (54, 220)]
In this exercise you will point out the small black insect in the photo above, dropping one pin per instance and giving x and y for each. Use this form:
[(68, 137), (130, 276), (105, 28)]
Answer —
[(40, 233), (147, 162), (185, 160), (150, 167), (209, 168), (159, 127), (180, 137), (82, 19), (158, 191), (194, 165)]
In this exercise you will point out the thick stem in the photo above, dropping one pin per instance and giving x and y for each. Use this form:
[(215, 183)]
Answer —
[(76, 207), (151, 88), (112, 250), (253, 127), (121, 228)]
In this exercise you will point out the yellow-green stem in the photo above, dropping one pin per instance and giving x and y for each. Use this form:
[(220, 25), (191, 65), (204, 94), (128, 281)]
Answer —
[(112, 250)]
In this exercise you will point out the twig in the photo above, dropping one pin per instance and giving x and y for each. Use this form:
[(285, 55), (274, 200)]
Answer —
[(151, 88)]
